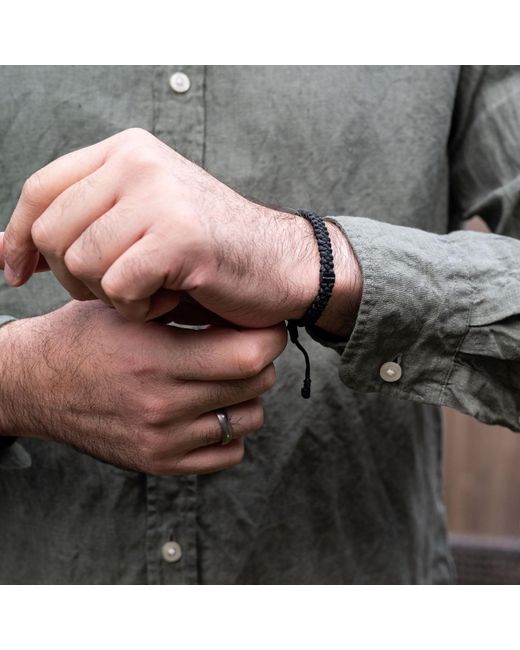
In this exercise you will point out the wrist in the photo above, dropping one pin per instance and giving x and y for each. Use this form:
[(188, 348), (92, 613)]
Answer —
[(340, 314), (17, 368), (304, 269), (287, 269)]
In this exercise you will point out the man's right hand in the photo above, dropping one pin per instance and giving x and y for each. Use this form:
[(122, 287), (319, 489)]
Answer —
[(137, 395)]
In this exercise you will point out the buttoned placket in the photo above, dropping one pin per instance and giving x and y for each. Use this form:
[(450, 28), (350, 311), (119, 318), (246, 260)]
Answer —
[(171, 502)]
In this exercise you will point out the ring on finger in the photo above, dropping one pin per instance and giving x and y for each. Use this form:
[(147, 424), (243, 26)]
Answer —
[(225, 427)]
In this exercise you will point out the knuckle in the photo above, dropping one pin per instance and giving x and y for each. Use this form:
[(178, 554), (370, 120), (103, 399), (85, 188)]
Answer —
[(75, 263), (154, 411), (41, 236), (257, 418), (112, 289), (139, 149), (250, 360), (119, 284), (142, 372), (265, 379), (32, 190), (136, 133), (142, 157)]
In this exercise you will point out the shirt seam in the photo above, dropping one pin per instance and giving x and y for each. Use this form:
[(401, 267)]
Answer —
[(455, 355)]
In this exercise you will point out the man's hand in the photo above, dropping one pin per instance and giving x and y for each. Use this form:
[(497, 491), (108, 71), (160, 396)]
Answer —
[(132, 222), (138, 395)]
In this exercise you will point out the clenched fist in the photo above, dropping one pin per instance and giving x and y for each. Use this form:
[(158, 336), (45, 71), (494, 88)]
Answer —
[(132, 222)]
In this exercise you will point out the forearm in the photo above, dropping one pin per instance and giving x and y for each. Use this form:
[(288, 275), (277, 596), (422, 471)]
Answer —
[(11, 364), (12, 455)]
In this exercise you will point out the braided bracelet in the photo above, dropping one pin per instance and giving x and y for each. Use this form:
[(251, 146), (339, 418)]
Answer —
[(327, 280)]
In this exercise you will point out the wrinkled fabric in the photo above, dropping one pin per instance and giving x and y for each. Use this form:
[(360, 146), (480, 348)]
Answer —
[(345, 487), (448, 308)]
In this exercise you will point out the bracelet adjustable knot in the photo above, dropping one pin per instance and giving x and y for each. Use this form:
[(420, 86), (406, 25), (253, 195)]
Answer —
[(327, 280)]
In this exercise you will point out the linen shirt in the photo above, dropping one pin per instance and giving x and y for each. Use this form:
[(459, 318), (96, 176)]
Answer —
[(345, 487)]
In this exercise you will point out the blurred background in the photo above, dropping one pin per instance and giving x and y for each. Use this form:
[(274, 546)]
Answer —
[(482, 492)]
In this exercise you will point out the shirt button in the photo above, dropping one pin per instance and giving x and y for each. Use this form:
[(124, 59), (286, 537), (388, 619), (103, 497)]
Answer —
[(171, 552), (180, 83), (390, 371)]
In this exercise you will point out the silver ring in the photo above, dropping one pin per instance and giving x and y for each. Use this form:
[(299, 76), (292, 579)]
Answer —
[(225, 427)]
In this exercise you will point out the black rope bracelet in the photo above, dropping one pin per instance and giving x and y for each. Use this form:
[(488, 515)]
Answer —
[(327, 280)]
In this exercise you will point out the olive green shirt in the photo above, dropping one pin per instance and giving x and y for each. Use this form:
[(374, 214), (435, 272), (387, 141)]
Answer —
[(344, 487)]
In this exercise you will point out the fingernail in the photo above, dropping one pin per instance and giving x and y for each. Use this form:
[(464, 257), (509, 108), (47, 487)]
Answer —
[(10, 275), (17, 275)]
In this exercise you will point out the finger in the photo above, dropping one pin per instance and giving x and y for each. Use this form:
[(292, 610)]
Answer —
[(199, 398), (164, 301), (136, 275), (209, 459), (2, 257), (42, 262), (67, 217), (243, 419), (94, 247), (215, 354), (37, 194)]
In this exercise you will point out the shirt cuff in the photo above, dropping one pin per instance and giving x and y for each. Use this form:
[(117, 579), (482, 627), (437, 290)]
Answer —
[(413, 314), (439, 319)]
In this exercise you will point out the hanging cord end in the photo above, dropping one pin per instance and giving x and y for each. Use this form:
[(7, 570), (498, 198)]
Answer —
[(306, 388), (292, 328)]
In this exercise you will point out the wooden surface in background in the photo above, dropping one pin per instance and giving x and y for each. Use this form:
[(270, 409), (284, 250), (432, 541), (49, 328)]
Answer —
[(481, 469), (481, 477)]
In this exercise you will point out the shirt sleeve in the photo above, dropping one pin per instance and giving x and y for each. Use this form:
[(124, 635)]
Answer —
[(439, 320), (12, 454)]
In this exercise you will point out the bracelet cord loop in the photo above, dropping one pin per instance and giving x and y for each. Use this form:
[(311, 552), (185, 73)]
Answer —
[(327, 281)]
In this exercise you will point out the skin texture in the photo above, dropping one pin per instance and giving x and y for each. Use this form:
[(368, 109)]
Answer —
[(137, 395), (132, 222)]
